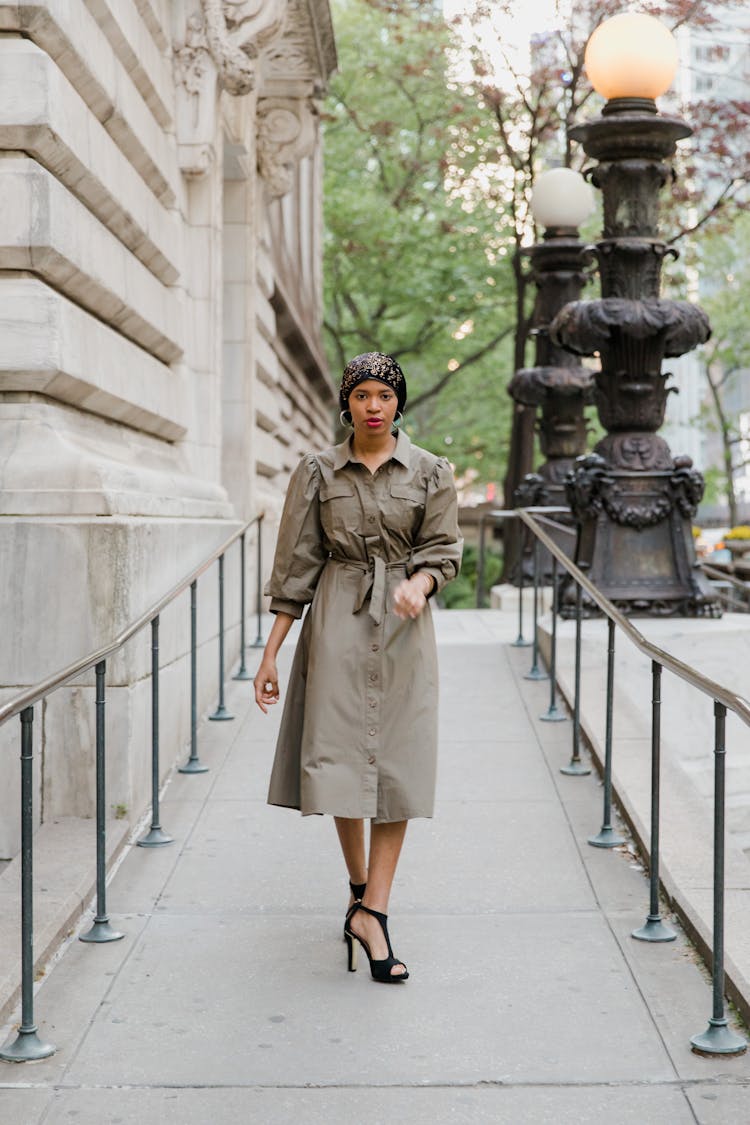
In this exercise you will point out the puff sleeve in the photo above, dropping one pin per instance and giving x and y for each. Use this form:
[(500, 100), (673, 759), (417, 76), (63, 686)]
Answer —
[(438, 546), (300, 555)]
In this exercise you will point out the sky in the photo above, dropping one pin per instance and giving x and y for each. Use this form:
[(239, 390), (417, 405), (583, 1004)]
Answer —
[(529, 17)]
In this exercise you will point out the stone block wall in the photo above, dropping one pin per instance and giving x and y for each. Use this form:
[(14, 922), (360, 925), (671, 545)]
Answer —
[(160, 361)]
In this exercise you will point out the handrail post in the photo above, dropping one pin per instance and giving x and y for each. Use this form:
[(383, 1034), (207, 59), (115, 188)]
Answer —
[(553, 714), (242, 672), (27, 1046), (535, 672), (101, 931), (607, 837), (156, 836), (193, 764), (221, 714), (654, 929), (718, 1038), (576, 767), (520, 641), (259, 642), (480, 560)]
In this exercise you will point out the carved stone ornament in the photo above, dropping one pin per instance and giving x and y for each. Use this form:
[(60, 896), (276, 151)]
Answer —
[(220, 48), (236, 31), (195, 84), (287, 131)]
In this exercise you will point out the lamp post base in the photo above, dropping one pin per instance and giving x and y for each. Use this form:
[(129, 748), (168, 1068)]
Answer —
[(636, 539)]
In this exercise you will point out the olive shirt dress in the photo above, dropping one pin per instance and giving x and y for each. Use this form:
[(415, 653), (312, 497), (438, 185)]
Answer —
[(358, 735)]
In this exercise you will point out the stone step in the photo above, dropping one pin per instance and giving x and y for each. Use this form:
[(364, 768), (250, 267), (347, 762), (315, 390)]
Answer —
[(64, 882)]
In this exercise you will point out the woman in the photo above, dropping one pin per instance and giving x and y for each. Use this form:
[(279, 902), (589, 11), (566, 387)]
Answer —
[(368, 533)]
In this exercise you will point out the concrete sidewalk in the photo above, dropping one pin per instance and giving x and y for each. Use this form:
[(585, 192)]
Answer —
[(229, 1002)]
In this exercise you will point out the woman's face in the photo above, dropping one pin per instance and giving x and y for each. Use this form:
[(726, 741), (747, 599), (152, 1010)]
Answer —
[(373, 407)]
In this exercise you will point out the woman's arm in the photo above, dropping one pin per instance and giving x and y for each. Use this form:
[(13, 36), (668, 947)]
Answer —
[(300, 552), (266, 680), (436, 556)]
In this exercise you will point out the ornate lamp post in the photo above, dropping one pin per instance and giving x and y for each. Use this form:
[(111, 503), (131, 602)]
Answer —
[(633, 500), (561, 202)]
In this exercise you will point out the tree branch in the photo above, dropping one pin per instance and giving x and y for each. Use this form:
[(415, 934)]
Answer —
[(726, 194), (446, 378)]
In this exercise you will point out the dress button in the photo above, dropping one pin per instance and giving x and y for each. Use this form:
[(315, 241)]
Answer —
[(371, 761), (372, 732), (375, 648), (373, 677), (371, 519), (373, 703)]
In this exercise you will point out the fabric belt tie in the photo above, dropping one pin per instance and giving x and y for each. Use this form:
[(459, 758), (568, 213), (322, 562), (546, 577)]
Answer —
[(372, 582)]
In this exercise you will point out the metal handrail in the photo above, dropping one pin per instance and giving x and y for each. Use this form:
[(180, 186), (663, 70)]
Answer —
[(740, 603), (37, 692), (725, 575), (719, 1038), (564, 527), (27, 1046), (736, 703)]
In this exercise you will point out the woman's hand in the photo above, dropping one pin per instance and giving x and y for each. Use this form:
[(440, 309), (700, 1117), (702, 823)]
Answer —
[(266, 684), (410, 596)]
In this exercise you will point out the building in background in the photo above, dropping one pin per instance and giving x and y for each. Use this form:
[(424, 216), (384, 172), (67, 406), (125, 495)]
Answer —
[(714, 66), (161, 367)]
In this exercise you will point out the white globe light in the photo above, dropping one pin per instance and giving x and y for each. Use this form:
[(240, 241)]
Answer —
[(562, 198), (631, 56)]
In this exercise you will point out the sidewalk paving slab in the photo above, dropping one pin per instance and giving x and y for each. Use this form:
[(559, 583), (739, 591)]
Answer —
[(228, 1001)]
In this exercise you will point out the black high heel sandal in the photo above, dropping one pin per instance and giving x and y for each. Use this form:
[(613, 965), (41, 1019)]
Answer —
[(358, 890), (379, 970)]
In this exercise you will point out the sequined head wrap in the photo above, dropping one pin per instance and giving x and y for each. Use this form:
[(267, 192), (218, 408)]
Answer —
[(372, 365)]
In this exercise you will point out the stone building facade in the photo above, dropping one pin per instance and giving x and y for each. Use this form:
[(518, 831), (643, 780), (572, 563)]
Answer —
[(161, 367)]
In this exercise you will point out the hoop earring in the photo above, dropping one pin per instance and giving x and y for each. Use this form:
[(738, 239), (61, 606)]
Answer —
[(345, 418), (398, 420)]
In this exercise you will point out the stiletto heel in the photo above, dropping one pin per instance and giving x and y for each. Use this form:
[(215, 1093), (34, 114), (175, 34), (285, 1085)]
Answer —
[(351, 949), (358, 890), (380, 970)]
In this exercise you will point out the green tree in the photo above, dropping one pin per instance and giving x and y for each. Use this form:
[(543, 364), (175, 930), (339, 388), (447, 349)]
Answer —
[(531, 108), (725, 267), (414, 264), (433, 144)]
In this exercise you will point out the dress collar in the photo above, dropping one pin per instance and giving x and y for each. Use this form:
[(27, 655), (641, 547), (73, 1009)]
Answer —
[(343, 452)]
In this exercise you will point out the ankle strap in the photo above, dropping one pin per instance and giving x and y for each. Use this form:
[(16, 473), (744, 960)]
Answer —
[(357, 889), (382, 918)]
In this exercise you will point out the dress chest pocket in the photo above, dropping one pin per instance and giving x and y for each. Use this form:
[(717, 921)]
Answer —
[(404, 508), (339, 508)]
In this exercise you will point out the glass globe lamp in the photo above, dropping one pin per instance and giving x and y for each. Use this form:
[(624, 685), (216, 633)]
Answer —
[(561, 198), (631, 56)]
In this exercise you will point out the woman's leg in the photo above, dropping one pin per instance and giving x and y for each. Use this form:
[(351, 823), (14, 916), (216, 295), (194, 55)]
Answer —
[(385, 848), (352, 839)]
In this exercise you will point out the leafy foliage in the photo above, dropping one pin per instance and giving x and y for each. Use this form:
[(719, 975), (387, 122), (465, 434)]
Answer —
[(533, 108), (413, 261), (725, 266), (461, 593), (432, 150)]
